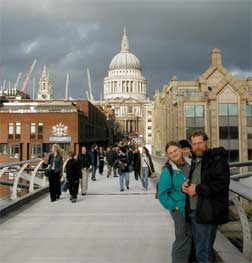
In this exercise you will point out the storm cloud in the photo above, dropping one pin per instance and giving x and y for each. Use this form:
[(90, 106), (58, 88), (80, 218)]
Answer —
[(168, 37)]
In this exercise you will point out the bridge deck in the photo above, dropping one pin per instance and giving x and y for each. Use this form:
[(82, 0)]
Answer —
[(105, 226)]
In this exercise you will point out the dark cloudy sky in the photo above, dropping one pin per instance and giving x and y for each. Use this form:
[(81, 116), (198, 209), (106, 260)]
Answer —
[(168, 37)]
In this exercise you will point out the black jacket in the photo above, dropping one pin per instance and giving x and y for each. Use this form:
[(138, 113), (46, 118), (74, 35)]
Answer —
[(73, 170), (58, 166), (137, 161), (213, 191), (84, 160), (122, 163)]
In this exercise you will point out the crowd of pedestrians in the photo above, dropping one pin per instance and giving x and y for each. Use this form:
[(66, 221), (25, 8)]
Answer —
[(121, 160), (193, 186)]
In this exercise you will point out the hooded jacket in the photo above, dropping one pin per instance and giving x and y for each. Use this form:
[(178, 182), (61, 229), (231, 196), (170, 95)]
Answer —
[(169, 188), (213, 190)]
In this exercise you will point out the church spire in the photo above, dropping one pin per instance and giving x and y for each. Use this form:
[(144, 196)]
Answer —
[(125, 42)]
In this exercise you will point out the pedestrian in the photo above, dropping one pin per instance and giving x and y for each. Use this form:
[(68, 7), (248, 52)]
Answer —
[(123, 168), (136, 162), (109, 159), (84, 161), (170, 195), (207, 194), (93, 160), (186, 148), (55, 166), (101, 158), (73, 173), (146, 167), (115, 150)]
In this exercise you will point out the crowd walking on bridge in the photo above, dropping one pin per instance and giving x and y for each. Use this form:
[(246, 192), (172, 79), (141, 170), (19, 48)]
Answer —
[(193, 186), (122, 159)]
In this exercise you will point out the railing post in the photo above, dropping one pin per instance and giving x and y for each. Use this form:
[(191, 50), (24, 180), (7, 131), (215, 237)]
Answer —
[(246, 232), (15, 184), (31, 187), (3, 170)]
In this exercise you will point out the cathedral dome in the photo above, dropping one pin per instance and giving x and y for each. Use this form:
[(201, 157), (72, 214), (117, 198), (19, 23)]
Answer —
[(125, 59)]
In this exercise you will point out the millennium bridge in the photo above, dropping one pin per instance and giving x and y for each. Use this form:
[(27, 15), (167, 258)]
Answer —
[(107, 225)]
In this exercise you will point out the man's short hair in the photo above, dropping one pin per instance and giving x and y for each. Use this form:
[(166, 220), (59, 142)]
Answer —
[(199, 132)]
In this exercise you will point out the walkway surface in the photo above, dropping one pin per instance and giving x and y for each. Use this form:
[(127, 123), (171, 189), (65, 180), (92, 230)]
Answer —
[(106, 226)]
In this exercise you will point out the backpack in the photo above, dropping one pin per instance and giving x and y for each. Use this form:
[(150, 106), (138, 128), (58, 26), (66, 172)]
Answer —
[(169, 167)]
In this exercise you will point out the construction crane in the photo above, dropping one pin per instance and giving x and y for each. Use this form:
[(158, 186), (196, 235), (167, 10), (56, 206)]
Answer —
[(25, 84), (89, 86), (67, 86), (17, 81)]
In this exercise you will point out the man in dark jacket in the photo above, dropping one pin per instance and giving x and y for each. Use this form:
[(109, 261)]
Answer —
[(110, 160), (93, 160), (137, 162), (84, 161), (207, 194), (73, 173)]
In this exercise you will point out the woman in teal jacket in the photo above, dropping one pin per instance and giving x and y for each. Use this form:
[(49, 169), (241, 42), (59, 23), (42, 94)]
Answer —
[(173, 175)]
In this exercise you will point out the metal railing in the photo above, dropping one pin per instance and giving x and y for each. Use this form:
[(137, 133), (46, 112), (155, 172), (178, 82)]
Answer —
[(238, 192), (20, 169)]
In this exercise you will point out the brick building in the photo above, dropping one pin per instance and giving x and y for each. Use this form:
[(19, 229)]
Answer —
[(29, 127)]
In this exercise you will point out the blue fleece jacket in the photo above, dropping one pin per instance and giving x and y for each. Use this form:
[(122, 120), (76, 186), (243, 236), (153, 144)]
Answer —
[(169, 192)]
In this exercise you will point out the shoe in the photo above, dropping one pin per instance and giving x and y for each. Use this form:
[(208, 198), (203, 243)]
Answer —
[(71, 198), (84, 194), (93, 179), (128, 187), (57, 196), (145, 189), (121, 190), (74, 200), (53, 200), (136, 178), (107, 176), (115, 175)]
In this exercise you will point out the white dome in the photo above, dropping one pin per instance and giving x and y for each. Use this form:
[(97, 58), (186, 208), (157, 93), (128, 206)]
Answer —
[(124, 60)]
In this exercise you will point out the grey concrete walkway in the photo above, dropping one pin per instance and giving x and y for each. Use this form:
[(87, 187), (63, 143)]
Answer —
[(103, 227)]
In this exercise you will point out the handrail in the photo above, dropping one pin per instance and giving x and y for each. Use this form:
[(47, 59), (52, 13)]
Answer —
[(20, 163)]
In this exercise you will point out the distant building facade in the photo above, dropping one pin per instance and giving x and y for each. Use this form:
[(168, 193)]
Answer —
[(29, 128), (125, 90), (217, 102)]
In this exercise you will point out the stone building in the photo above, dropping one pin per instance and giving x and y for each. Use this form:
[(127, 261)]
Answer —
[(125, 90), (217, 102)]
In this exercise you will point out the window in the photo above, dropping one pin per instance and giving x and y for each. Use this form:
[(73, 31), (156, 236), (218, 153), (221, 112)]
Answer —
[(33, 131), (228, 109), (4, 149), (36, 151), (14, 150), (18, 130), (130, 109), (194, 118), (11, 131), (40, 131), (228, 129)]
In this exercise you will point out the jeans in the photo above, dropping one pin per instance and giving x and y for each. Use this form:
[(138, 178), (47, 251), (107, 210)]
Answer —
[(145, 177), (181, 248), (84, 180), (93, 170), (124, 177), (204, 237)]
